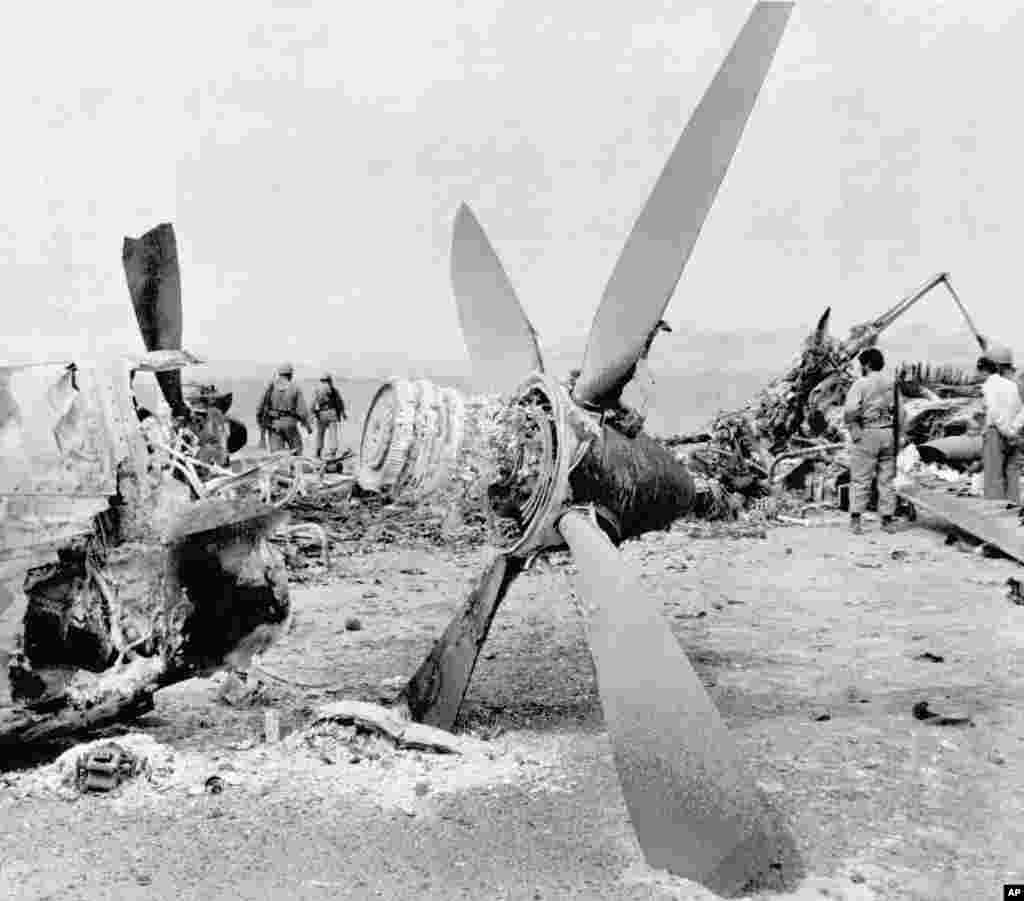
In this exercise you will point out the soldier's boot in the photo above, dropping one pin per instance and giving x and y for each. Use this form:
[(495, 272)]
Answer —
[(855, 525), (888, 525)]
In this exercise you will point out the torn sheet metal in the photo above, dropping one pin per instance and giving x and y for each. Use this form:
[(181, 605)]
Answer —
[(54, 433), (64, 428), (164, 360)]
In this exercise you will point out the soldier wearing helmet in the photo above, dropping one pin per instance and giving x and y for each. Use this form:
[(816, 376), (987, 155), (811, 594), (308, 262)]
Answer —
[(1003, 409), (282, 410), (328, 408)]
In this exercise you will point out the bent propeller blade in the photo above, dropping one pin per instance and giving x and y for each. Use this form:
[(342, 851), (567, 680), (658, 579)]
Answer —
[(154, 283), (501, 342), (695, 809), (435, 693), (663, 237)]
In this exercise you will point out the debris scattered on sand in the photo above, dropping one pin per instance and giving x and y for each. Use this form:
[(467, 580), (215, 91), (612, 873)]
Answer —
[(922, 711), (63, 777), (350, 749), (813, 888), (367, 523), (1015, 591), (105, 766), (824, 888), (932, 658), (237, 688), (385, 721)]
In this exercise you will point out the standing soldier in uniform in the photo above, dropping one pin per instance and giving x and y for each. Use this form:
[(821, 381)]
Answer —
[(282, 409), (328, 408), (870, 412), (262, 415)]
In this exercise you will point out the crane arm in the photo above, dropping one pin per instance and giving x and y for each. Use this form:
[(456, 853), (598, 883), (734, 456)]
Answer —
[(867, 334), (982, 343)]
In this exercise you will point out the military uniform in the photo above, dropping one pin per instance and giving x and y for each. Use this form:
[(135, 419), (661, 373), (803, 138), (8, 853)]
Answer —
[(283, 409), (329, 409), (870, 412)]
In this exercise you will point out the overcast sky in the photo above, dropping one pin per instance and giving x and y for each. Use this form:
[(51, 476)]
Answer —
[(312, 156)]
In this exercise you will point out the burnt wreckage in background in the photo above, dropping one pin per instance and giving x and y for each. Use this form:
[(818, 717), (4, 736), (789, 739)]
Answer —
[(796, 424), (130, 558)]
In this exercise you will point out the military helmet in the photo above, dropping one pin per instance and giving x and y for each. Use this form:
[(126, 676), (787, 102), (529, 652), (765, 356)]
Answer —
[(286, 369)]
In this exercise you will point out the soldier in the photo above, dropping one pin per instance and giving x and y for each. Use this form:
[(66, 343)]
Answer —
[(282, 410), (262, 414), (869, 412), (328, 408)]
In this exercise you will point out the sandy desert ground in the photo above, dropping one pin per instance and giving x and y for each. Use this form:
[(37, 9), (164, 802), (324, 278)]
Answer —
[(810, 642)]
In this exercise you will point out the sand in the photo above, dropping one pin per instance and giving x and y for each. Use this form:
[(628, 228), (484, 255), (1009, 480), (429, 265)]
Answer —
[(810, 641)]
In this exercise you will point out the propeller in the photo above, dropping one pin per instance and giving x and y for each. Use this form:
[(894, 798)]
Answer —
[(663, 237), (502, 343), (154, 283), (696, 809), (437, 690), (691, 801)]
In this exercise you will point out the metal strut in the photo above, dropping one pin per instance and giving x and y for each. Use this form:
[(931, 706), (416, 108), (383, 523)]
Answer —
[(867, 333)]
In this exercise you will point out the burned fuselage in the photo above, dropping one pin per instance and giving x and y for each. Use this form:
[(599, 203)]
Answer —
[(120, 569)]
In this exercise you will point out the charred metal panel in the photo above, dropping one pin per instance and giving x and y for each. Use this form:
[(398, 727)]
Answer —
[(59, 431), (64, 430)]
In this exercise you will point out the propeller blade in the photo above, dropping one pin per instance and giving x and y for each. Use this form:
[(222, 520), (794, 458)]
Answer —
[(501, 342), (154, 283), (696, 810), (435, 692), (649, 267)]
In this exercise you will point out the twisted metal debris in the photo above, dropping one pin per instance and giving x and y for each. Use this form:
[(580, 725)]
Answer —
[(776, 438)]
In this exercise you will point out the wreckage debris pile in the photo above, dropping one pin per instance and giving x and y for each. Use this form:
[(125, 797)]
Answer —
[(943, 380), (801, 415), (931, 419), (367, 522), (790, 437), (797, 411), (784, 409)]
